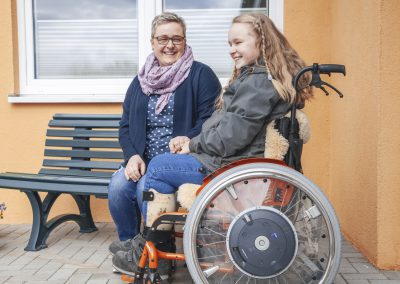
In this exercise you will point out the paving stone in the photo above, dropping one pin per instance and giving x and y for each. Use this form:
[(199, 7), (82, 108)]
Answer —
[(3, 279), (365, 268), (22, 275), (358, 282), (339, 279), (392, 275), (351, 254), (363, 276), (11, 256), (63, 274), (98, 257), (79, 278), (49, 269), (25, 258), (12, 281), (43, 282), (357, 259), (84, 253), (384, 281), (37, 263)]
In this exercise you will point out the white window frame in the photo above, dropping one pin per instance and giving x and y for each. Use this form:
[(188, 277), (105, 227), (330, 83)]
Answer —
[(33, 90)]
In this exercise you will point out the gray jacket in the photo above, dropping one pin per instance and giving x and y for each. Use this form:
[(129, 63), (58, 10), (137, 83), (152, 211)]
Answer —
[(237, 131)]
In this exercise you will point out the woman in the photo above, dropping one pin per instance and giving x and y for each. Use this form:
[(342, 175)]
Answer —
[(166, 104), (260, 91)]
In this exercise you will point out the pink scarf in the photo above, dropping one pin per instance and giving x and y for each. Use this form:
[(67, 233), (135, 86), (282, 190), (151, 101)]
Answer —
[(163, 80)]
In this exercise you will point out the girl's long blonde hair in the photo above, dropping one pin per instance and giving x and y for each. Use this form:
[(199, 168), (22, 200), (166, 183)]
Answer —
[(281, 60)]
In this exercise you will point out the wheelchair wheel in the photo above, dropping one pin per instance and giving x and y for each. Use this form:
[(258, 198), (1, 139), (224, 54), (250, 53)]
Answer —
[(262, 223)]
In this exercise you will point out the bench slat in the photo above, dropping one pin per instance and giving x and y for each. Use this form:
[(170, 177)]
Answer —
[(84, 123), (84, 189), (81, 164), (83, 143), (82, 133), (54, 179), (76, 173), (87, 116), (84, 154)]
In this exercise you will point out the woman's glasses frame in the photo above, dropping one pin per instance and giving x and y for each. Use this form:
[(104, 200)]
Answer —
[(164, 40)]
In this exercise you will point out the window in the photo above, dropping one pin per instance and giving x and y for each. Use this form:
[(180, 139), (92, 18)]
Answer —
[(91, 39), (91, 50)]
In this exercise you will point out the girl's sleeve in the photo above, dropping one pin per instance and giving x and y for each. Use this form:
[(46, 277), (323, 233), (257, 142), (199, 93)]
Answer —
[(248, 112)]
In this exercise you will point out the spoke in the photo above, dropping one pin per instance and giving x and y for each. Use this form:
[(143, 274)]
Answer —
[(212, 256), (223, 277), (210, 244), (305, 265), (215, 232), (239, 279), (295, 271), (283, 199), (290, 207)]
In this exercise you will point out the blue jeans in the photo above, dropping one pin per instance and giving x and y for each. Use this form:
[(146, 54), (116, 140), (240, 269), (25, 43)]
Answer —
[(123, 206), (167, 172)]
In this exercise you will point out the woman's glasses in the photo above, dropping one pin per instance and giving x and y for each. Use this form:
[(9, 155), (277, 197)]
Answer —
[(163, 40)]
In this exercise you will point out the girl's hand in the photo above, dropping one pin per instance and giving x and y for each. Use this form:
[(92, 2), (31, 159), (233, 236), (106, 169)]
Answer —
[(176, 143), (185, 148), (135, 168)]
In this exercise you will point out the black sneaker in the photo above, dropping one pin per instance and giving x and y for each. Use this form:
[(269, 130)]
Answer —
[(127, 245)]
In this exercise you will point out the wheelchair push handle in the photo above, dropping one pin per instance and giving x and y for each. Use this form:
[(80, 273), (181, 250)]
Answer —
[(331, 68), (317, 69)]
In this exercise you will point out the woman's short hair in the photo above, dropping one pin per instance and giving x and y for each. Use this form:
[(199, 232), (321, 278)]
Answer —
[(165, 18)]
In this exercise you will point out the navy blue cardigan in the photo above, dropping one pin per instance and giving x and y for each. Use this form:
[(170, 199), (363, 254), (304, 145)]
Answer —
[(193, 104)]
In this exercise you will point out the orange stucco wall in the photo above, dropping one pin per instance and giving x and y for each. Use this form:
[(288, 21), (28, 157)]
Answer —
[(354, 150), (365, 140), (389, 139)]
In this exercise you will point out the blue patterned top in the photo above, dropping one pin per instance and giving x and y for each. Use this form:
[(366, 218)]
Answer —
[(159, 127)]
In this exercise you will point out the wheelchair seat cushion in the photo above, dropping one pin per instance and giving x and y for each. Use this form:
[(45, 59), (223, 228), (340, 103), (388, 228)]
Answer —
[(276, 146)]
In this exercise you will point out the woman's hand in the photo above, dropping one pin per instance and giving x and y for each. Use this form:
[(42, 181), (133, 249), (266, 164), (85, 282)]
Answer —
[(135, 168), (176, 143), (185, 148)]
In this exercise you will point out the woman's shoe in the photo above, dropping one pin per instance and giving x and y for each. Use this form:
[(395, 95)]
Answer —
[(127, 263), (127, 245)]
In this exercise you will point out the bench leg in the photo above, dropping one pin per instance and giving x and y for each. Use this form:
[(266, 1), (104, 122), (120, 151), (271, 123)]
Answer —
[(41, 228), (86, 222)]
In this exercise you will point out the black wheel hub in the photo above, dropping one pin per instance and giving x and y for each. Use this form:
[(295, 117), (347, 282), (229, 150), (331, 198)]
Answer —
[(262, 242)]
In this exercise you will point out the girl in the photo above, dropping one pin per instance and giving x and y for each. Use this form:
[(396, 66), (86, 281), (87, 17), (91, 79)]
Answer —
[(259, 91)]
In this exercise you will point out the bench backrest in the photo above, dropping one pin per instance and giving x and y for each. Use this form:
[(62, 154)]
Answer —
[(82, 145)]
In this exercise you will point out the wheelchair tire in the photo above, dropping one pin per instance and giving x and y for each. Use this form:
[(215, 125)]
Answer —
[(262, 223)]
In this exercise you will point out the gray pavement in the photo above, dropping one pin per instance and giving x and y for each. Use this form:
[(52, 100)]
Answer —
[(75, 258)]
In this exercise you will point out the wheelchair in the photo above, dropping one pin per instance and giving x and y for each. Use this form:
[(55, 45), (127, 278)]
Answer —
[(258, 220)]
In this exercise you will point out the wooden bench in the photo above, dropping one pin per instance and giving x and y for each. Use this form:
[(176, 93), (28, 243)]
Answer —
[(82, 151)]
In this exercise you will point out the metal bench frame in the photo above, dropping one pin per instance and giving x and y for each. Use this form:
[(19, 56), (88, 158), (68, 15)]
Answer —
[(79, 136)]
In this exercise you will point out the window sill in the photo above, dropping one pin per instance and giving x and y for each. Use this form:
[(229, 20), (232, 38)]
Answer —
[(24, 98)]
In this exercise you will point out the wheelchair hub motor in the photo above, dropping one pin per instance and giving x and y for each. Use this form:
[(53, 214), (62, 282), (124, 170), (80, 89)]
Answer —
[(261, 242)]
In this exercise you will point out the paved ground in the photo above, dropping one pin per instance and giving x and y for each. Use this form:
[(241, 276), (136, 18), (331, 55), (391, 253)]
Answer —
[(83, 258)]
